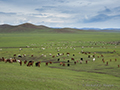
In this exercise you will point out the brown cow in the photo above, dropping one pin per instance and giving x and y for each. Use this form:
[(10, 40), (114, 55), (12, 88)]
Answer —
[(53, 56), (14, 55), (72, 59), (67, 53), (74, 62), (86, 61), (88, 56), (102, 56), (110, 60), (2, 59), (25, 61), (30, 63), (9, 60), (14, 60), (106, 63), (46, 63), (20, 63), (50, 62), (63, 64), (37, 64)]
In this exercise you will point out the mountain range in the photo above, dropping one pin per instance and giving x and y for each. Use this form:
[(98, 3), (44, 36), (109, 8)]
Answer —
[(28, 27)]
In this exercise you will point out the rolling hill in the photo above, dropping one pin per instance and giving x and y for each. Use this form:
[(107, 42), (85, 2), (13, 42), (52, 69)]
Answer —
[(30, 28)]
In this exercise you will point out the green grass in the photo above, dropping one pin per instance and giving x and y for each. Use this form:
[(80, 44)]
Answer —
[(92, 76), (45, 78)]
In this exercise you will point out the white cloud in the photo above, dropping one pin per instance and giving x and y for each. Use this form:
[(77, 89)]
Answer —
[(62, 13)]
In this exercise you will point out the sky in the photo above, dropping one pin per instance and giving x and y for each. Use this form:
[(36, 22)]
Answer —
[(62, 13)]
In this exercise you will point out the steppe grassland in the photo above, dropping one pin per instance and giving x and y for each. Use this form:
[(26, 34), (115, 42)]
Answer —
[(91, 76)]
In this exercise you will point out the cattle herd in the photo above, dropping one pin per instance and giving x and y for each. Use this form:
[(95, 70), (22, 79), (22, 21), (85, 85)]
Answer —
[(63, 59), (58, 60)]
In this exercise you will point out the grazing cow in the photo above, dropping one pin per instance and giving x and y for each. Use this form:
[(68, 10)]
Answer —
[(50, 62), (31, 55), (14, 55), (53, 56), (88, 56), (93, 55), (24, 55), (94, 52), (115, 59), (9, 60), (118, 66), (63, 64), (73, 54), (20, 62), (106, 63), (46, 63), (68, 64), (72, 59), (68, 61), (110, 60), (98, 56), (67, 53), (50, 54), (2, 59), (37, 64), (103, 60), (25, 61), (101, 55), (30, 63), (81, 61), (20, 56), (58, 59), (86, 61), (74, 62), (20, 49), (58, 54), (14, 60), (93, 59)]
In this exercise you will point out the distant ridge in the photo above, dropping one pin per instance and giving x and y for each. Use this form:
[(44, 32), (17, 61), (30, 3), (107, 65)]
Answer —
[(28, 27)]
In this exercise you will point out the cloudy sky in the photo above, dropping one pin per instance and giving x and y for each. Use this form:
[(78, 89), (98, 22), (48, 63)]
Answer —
[(62, 13)]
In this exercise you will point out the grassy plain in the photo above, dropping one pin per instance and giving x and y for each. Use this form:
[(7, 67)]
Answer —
[(92, 76)]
